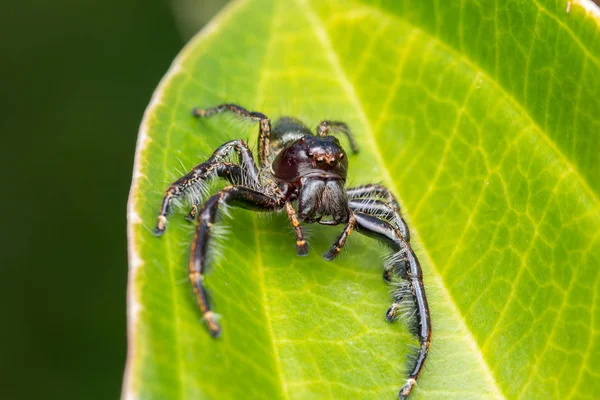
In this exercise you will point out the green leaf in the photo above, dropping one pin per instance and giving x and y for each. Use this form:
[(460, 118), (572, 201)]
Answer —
[(482, 117)]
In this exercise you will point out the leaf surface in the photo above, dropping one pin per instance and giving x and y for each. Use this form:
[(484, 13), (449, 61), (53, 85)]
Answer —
[(484, 120)]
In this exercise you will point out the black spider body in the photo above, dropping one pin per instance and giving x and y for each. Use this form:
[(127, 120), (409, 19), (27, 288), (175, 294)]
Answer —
[(296, 166), (313, 169)]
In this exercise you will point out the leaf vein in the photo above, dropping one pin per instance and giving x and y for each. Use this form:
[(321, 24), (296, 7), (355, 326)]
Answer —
[(569, 32), (523, 267), (510, 99)]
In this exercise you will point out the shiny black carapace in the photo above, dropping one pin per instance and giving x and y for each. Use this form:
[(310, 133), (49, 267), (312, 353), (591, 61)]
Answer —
[(296, 166)]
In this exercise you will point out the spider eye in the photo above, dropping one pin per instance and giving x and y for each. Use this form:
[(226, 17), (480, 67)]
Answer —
[(341, 156), (321, 161)]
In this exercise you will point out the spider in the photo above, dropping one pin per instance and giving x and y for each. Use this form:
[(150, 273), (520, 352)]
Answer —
[(295, 166)]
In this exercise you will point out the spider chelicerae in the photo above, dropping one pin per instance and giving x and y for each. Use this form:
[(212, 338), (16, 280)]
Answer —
[(295, 166)]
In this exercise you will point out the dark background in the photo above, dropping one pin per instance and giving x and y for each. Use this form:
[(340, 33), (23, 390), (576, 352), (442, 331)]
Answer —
[(76, 76)]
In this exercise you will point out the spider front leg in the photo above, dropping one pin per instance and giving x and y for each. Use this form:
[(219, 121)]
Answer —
[(264, 131), (373, 190), (384, 232), (214, 166), (364, 193), (329, 127), (384, 210), (237, 196), (397, 263)]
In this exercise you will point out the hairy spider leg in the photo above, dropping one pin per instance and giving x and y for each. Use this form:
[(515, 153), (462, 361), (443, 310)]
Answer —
[(396, 264), (381, 209), (373, 190), (232, 172), (326, 128), (363, 193), (248, 175), (384, 232), (264, 130), (301, 244), (237, 196), (333, 252), (384, 210)]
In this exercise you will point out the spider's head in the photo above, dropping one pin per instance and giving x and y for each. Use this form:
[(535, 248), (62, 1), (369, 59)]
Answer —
[(318, 166), (319, 157)]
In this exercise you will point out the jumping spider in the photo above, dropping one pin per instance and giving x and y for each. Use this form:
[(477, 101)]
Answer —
[(297, 166)]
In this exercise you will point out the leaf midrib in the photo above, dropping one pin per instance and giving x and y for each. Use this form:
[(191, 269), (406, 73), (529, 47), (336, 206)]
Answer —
[(333, 59)]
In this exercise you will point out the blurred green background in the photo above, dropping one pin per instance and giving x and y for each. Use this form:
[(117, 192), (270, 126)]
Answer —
[(76, 77)]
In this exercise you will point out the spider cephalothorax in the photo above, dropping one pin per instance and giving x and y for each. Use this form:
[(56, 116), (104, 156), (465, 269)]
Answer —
[(316, 167), (296, 166)]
